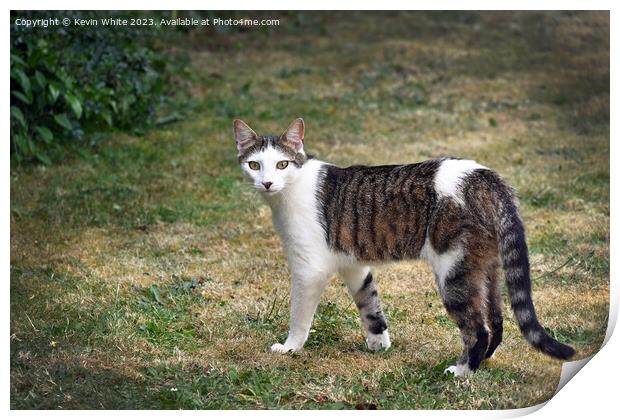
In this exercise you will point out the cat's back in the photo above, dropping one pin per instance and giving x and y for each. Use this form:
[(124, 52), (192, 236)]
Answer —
[(385, 176), (380, 213)]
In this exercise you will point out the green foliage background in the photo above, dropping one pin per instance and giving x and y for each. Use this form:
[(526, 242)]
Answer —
[(70, 81)]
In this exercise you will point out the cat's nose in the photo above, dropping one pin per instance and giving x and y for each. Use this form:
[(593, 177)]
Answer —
[(267, 185)]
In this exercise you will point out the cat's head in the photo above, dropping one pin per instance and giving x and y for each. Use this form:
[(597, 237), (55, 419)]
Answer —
[(272, 162)]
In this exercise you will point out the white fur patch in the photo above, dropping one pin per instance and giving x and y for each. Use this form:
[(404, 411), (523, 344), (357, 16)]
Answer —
[(379, 341), (449, 175), (296, 218), (458, 370), (280, 348), (443, 264)]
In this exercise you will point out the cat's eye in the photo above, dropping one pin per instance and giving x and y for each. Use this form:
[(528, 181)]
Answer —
[(282, 164), (255, 166)]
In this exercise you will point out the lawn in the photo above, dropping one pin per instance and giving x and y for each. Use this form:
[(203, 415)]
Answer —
[(145, 272)]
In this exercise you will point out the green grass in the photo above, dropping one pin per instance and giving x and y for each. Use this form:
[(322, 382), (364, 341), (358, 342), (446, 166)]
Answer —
[(145, 273)]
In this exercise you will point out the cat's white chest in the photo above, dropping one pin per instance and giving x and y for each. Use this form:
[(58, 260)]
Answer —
[(296, 218)]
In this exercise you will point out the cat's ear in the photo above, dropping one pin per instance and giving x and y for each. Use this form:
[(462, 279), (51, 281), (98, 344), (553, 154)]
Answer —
[(293, 136), (244, 135)]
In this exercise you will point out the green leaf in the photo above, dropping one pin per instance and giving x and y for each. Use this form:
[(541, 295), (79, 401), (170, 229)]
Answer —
[(31, 146), (54, 92), (42, 157), (21, 97), (19, 116), (75, 104), (155, 293), (40, 79), (107, 117), (15, 59), (45, 134), (63, 121), (23, 80), (21, 143)]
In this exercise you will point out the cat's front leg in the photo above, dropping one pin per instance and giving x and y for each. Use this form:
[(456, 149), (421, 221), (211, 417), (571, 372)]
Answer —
[(306, 290)]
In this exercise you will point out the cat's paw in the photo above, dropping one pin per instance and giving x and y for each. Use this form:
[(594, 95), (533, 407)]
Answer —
[(378, 341), (458, 370), (279, 348), (283, 348)]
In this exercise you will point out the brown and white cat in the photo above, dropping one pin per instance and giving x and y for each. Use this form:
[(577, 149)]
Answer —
[(455, 214)]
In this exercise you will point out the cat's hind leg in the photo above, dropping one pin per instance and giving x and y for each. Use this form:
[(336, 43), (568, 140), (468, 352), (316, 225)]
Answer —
[(464, 296), (361, 285)]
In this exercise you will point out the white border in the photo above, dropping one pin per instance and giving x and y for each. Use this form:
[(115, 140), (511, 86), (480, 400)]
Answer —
[(592, 394)]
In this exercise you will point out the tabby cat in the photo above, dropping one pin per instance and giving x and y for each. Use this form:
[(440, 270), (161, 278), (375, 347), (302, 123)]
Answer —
[(457, 215)]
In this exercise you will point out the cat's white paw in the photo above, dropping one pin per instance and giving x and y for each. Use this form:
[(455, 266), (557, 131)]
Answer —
[(279, 348), (458, 370), (379, 341), (284, 348)]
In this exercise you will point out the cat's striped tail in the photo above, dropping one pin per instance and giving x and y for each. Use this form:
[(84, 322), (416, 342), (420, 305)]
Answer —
[(514, 254)]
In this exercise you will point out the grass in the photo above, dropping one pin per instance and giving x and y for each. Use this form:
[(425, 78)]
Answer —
[(145, 273)]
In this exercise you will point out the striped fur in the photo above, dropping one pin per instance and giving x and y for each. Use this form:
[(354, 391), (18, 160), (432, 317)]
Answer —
[(361, 285), (513, 249), (456, 214), (378, 213), (262, 143)]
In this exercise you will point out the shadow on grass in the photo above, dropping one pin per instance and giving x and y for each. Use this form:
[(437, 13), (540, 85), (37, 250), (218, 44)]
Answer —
[(70, 385)]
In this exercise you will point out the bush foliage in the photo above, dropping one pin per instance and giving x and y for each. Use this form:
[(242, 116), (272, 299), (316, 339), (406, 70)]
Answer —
[(68, 82)]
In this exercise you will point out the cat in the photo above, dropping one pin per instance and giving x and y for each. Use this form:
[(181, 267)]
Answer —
[(456, 214)]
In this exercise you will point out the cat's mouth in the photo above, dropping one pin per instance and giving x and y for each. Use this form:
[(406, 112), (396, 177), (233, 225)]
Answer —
[(270, 191)]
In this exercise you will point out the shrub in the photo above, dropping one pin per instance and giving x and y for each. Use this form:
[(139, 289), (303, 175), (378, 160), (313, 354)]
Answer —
[(66, 82)]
